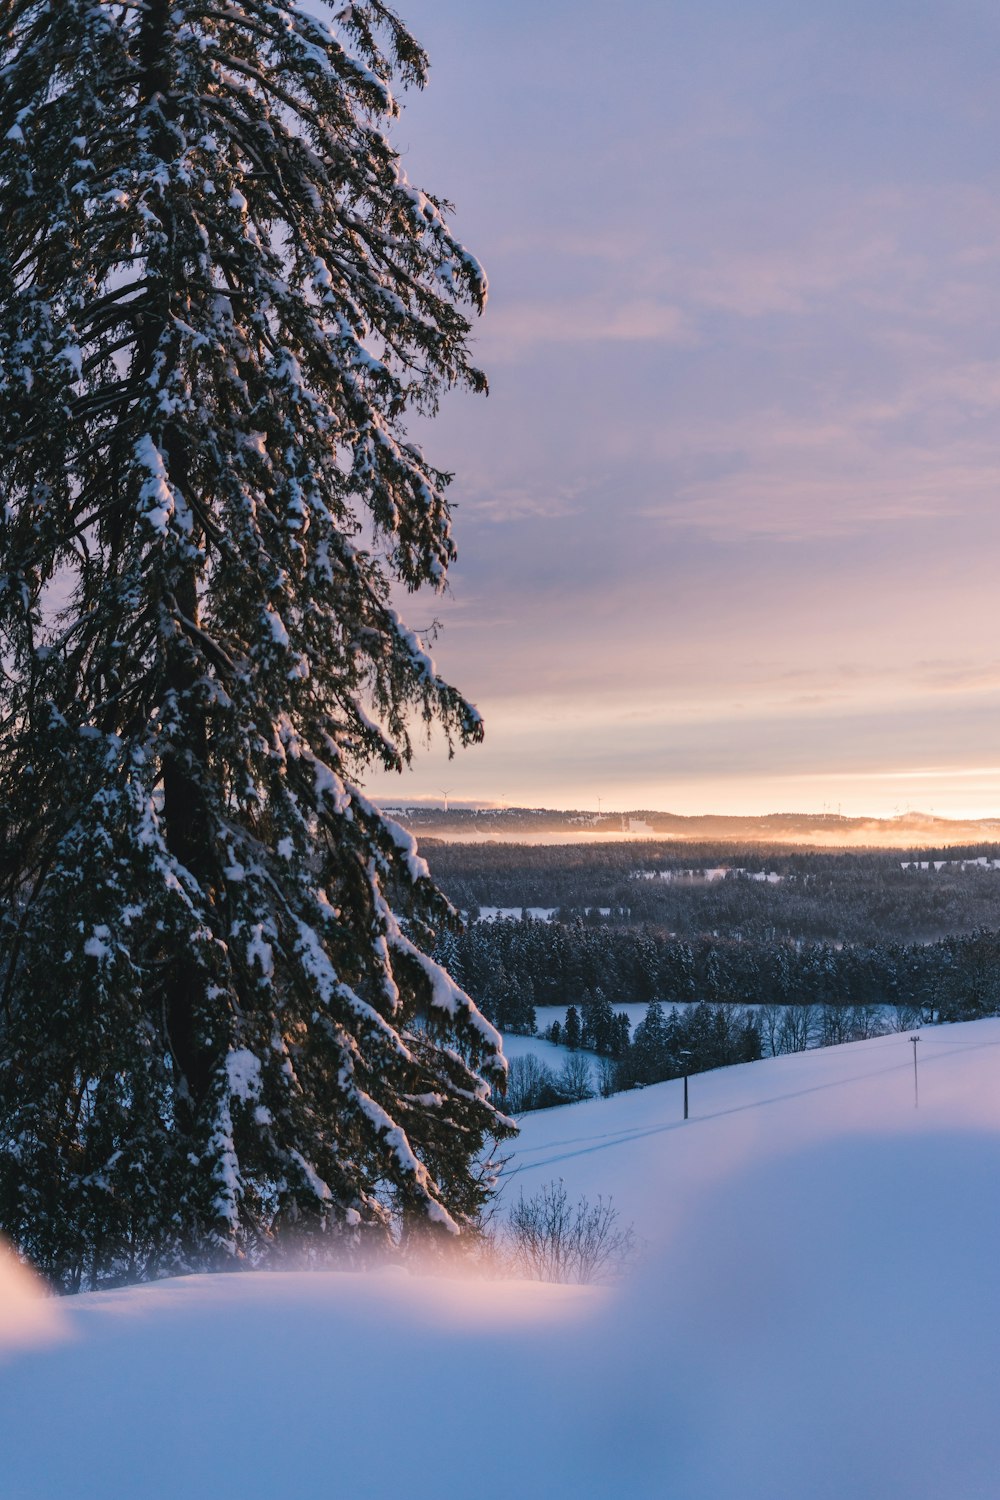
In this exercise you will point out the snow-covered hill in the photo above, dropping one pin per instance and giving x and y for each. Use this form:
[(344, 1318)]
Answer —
[(816, 1314)]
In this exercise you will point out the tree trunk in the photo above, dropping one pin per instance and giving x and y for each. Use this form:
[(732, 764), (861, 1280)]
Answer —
[(185, 811), (186, 824)]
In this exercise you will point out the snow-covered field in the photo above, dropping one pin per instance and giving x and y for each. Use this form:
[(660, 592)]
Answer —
[(717, 872), (634, 1009), (495, 913), (537, 913), (554, 1055), (815, 1316)]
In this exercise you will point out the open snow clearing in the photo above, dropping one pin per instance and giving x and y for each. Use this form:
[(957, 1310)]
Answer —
[(815, 1312)]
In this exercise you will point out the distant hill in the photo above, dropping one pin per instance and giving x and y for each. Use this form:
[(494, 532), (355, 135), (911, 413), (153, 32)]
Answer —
[(544, 825)]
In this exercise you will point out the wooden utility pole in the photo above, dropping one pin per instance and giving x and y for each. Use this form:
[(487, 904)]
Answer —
[(684, 1057)]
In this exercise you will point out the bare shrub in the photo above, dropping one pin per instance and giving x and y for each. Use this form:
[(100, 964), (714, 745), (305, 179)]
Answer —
[(549, 1239), (575, 1079), (906, 1016), (799, 1028), (608, 1081), (530, 1085), (867, 1021), (769, 1019)]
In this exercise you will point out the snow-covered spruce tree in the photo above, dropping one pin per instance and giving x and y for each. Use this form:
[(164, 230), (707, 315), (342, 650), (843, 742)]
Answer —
[(219, 295)]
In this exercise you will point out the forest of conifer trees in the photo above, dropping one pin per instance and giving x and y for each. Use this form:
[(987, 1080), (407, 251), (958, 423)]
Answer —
[(730, 967)]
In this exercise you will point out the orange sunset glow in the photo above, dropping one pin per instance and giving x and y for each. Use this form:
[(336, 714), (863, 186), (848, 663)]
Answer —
[(727, 523)]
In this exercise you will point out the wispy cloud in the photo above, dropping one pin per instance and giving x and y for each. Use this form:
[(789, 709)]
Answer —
[(801, 505), (730, 511), (516, 327), (510, 504)]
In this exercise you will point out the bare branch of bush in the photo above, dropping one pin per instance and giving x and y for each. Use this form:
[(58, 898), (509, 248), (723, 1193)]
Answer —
[(575, 1079), (549, 1239), (531, 1084)]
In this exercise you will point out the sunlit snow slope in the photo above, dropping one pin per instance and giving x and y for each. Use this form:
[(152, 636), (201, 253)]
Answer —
[(816, 1314)]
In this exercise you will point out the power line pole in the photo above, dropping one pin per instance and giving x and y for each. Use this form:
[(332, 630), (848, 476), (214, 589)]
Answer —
[(685, 1057), (916, 1086)]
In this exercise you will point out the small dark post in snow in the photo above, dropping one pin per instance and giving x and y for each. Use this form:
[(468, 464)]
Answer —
[(685, 1059), (916, 1090)]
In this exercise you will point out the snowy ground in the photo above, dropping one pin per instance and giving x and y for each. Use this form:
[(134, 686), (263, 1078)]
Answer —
[(537, 913), (553, 1054), (816, 1316), (634, 1009)]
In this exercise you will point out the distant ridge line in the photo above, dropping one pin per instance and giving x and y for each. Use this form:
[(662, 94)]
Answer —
[(516, 824)]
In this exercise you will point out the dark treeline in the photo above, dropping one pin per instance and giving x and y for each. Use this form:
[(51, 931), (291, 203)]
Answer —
[(841, 946), (510, 966), (688, 1039), (857, 897)]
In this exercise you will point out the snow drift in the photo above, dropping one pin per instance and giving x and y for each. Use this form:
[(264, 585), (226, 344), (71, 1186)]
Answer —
[(816, 1313), (29, 1317)]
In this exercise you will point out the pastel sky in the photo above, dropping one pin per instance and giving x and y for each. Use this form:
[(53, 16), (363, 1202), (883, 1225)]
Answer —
[(728, 523)]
